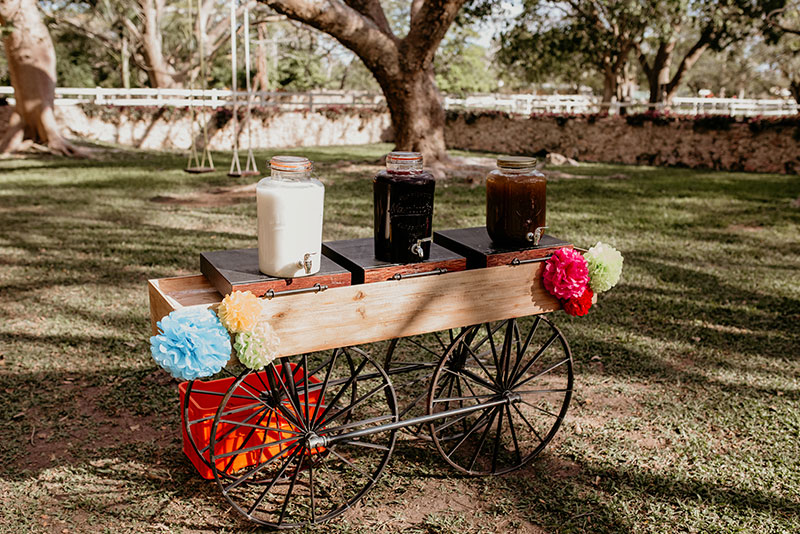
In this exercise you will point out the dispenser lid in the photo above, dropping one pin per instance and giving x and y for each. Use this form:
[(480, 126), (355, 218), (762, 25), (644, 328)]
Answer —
[(516, 162), (290, 164), (403, 157)]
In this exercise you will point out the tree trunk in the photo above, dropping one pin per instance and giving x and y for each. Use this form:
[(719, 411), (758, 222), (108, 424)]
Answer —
[(402, 67), (417, 114), (261, 81), (794, 87), (159, 71), (32, 66), (609, 85)]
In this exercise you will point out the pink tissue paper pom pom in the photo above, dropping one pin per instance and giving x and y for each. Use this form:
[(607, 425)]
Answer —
[(566, 274)]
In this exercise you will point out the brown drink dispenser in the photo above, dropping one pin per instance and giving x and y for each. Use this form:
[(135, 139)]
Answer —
[(516, 202)]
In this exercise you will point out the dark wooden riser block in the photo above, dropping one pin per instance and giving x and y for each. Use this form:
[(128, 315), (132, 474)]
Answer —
[(477, 246), (358, 256), (237, 270)]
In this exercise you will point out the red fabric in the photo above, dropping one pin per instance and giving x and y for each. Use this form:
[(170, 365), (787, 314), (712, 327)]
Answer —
[(579, 306)]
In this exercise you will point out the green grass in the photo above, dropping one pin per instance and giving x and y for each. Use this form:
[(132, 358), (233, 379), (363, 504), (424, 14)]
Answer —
[(686, 416)]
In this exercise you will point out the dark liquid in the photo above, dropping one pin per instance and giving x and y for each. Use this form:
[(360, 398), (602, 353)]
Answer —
[(515, 206), (403, 215)]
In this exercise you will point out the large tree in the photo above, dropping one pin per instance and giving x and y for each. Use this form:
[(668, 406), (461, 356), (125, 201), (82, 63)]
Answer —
[(697, 25), (32, 66), (577, 34), (402, 66)]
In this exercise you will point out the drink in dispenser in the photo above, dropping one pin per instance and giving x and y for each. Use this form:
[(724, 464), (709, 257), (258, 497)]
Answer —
[(403, 203), (290, 206), (516, 196)]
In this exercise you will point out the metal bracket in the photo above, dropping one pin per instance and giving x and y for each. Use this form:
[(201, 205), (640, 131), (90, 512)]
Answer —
[(316, 288), (399, 276), (517, 261)]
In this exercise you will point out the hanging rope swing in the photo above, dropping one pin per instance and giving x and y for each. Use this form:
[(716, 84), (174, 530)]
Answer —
[(251, 169), (198, 164), (236, 167)]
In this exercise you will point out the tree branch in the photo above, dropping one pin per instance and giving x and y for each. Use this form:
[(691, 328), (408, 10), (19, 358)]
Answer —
[(688, 61), (354, 30), (373, 10), (428, 29)]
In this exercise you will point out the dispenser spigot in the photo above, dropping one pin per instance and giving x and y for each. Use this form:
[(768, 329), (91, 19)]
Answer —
[(306, 264), (536, 235), (417, 249)]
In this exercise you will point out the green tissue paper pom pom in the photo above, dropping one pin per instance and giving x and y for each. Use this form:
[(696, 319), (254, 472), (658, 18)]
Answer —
[(258, 348), (605, 267)]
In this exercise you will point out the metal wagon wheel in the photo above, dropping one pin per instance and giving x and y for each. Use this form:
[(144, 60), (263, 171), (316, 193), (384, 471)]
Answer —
[(289, 475), (411, 361), (520, 372), (202, 394)]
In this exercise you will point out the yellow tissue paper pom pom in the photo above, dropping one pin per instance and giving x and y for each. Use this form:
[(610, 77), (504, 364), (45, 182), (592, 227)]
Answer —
[(239, 312)]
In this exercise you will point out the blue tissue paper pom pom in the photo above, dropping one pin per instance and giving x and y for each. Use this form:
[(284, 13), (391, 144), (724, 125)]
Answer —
[(192, 344)]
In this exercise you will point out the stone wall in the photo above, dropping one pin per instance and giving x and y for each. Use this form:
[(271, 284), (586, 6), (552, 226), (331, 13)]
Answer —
[(770, 145), (171, 129)]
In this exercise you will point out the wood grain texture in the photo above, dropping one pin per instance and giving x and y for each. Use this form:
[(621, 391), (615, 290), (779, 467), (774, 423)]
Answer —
[(168, 294), (237, 270), (352, 315), (476, 245), (358, 255)]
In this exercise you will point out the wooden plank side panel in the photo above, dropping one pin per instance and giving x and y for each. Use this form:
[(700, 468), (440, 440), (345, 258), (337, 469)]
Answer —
[(168, 294), (353, 315), (363, 314)]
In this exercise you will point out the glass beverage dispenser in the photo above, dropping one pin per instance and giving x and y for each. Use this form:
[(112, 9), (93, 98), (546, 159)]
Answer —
[(403, 203), (516, 202), (290, 204)]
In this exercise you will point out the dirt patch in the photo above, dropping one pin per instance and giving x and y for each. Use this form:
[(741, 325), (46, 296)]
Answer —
[(221, 196), (89, 428)]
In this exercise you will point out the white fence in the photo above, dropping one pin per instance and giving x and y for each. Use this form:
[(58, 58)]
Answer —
[(513, 103)]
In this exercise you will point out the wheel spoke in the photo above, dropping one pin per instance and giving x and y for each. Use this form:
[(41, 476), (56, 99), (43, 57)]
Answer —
[(246, 439), (528, 423), (324, 386), (420, 345), (472, 428), (230, 430), (494, 349), (291, 489), (513, 433), (534, 359), (349, 463), (366, 422), (480, 364), (261, 427), (367, 444), (305, 388), (483, 439), (354, 404), (258, 469), (472, 397), (466, 373), (339, 394), (534, 377), (551, 414), (255, 448), (496, 450), (436, 334)]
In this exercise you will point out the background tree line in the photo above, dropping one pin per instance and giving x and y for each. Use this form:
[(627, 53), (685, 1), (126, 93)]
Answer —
[(412, 50)]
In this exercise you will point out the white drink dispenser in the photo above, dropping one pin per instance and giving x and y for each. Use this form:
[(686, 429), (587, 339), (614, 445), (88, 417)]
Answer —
[(290, 204)]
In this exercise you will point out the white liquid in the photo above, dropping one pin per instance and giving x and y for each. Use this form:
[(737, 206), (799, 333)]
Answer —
[(289, 226)]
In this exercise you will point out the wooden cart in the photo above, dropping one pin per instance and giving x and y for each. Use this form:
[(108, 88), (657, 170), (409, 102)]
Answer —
[(468, 360)]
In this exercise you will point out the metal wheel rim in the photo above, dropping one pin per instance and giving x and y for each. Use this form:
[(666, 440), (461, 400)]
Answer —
[(445, 443), (308, 467)]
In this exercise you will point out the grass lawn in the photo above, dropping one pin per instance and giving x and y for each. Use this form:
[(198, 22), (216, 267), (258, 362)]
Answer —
[(686, 415)]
